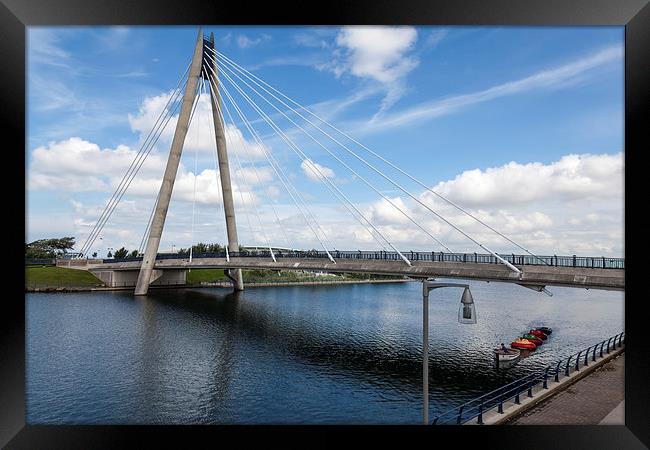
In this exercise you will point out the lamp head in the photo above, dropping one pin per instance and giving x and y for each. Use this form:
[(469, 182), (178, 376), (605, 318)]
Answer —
[(467, 310)]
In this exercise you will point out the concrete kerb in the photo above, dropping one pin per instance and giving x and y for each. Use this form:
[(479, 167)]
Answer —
[(512, 410)]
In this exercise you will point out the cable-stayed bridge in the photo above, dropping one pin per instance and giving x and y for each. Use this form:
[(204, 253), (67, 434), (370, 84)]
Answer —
[(232, 89)]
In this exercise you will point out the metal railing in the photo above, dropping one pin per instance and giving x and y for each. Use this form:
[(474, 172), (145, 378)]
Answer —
[(597, 262), (477, 407)]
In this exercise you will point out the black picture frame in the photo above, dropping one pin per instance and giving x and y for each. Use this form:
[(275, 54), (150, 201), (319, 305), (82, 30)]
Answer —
[(16, 15)]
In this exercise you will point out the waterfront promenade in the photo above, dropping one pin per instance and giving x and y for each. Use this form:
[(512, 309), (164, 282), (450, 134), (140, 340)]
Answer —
[(595, 399)]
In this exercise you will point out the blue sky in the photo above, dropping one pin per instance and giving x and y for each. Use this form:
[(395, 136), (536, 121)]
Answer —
[(522, 125)]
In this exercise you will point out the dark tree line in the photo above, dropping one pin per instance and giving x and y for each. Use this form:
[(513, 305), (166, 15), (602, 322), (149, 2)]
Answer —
[(123, 253), (202, 248)]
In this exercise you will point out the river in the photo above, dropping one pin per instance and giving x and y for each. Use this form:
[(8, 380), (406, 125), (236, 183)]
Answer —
[(346, 354)]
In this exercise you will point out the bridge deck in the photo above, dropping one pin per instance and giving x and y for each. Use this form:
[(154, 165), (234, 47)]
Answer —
[(596, 278)]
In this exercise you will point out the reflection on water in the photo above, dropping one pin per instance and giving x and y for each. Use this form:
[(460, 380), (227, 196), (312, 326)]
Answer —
[(303, 354)]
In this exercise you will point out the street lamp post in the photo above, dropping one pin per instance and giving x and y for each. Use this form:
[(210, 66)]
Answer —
[(466, 314)]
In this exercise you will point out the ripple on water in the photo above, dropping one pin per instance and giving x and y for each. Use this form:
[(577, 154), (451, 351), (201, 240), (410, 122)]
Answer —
[(312, 354)]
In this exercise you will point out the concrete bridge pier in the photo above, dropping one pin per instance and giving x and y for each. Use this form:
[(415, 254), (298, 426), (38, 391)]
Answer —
[(128, 278)]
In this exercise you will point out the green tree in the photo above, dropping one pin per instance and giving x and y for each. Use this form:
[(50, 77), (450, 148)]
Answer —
[(134, 253), (94, 254), (121, 253), (201, 248), (49, 248), (109, 255), (215, 248)]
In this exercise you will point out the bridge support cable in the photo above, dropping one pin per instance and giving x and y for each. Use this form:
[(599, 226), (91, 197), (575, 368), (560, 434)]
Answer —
[(372, 167), (133, 169), (355, 173), (253, 77), (135, 165), (240, 146), (249, 153), (341, 199), (304, 157), (328, 183), (284, 179), (161, 123), (245, 147), (241, 195), (282, 176)]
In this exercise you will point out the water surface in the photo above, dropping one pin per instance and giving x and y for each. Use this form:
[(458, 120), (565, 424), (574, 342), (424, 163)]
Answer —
[(285, 355)]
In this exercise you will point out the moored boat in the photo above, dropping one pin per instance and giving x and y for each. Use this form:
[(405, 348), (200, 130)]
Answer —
[(510, 354), (534, 339), (523, 344), (540, 334), (546, 330)]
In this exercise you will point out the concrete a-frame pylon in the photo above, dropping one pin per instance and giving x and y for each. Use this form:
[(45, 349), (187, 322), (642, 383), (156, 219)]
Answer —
[(160, 214), (224, 171)]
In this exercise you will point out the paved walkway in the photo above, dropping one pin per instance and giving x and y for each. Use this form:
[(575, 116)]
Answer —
[(596, 398)]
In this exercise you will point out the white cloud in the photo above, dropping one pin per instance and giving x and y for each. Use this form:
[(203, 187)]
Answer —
[(44, 47), (378, 53), (315, 171), (570, 206), (53, 95), (248, 150), (78, 165), (566, 220), (434, 37), (225, 40), (138, 73), (587, 219), (311, 40), (112, 38), (273, 192), (200, 134), (254, 175), (383, 212), (572, 177), (244, 41)]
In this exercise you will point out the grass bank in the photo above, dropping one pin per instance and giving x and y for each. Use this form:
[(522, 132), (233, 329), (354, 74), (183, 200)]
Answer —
[(50, 276), (39, 277)]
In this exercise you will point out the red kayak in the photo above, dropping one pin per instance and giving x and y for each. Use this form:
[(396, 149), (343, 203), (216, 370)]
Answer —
[(539, 334), (523, 344)]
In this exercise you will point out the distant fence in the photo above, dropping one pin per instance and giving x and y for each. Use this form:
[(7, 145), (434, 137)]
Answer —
[(590, 262), (475, 408)]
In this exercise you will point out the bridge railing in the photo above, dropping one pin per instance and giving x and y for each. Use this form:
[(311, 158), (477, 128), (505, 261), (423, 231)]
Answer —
[(591, 262), (477, 407)]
